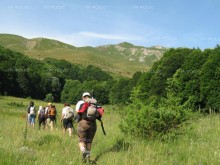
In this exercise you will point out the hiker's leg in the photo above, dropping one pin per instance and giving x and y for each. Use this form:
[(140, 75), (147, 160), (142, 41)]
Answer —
[(44, 123), (89, 138), (82, 147), (88, 149), (51, 125), (70, 127), (82, 131), (70, 131), (88, 146), (47, 123), (32, 120)]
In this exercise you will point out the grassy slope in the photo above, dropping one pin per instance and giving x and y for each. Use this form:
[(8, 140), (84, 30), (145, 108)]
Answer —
[(199, 146), (108, 58)]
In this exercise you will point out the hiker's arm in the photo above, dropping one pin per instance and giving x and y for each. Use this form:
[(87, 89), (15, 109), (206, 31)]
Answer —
[(28, 109)]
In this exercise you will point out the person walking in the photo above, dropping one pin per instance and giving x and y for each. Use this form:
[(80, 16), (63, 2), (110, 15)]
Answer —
[(47, 116), (86, 127), (31, 114), (31, 104), (67, 119), (41, 117), (52, 115)]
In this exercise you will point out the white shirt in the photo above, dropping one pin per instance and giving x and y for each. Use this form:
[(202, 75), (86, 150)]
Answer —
[(78, 105), (64, 111)]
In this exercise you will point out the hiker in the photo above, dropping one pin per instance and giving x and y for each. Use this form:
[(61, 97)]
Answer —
[(41, 117), (52, 116), (86, 128), (67, 119), (31, 114), (28, 112), (47, 116)]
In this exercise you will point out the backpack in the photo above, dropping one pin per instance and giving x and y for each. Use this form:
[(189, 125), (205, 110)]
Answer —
[(42, 114), (32, 110), (94, 112), (69, 113), (52, 111)]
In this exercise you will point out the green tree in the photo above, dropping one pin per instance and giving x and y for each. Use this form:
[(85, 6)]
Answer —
[(210, 76), (49, 98), (71, 91), (120, 92), (153, 83)]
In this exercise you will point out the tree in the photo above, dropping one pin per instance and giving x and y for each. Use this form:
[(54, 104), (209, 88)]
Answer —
[(210, 76), (71, 91), (153, 83), (56, 88), (120, 92), (49, 97)]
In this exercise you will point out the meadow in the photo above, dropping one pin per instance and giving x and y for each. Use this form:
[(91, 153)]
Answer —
[(200, 145)]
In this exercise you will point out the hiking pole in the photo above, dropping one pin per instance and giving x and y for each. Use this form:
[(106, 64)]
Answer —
[(92, 94), (103, 129)]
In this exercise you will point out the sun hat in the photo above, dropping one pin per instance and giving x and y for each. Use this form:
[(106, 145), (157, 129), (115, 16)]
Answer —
[(86, 94)]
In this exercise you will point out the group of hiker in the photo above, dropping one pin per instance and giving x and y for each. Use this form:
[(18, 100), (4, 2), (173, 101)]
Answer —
[(85, 114), (46, 116)]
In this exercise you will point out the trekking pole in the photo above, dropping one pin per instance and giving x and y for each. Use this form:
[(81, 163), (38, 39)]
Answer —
[(92, 94), (103, 129)]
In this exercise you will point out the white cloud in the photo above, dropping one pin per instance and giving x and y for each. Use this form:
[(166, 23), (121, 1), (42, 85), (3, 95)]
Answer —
[(86, 38), (108, 36)]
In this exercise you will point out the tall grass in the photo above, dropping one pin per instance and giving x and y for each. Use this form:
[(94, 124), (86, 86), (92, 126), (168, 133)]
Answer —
[(199, 146)]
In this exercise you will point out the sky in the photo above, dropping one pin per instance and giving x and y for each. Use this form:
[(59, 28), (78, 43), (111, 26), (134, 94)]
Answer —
[(169, 23)]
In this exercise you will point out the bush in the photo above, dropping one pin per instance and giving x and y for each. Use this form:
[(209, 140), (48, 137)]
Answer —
[(150, 122), (49, 98)]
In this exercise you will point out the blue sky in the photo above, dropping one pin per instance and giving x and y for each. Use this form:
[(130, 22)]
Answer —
[(171, 23)]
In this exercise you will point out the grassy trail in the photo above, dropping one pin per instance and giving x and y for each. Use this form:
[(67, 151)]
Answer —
[(199, 146)]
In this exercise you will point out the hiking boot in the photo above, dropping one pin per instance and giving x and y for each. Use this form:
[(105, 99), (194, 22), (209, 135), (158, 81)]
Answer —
[(84, 157), (87, 158)]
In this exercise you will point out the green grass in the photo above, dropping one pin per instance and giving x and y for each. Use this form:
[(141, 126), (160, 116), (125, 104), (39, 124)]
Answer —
[(198, 146)]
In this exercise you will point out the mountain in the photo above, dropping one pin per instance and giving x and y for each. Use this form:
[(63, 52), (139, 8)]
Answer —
[(122, 59)]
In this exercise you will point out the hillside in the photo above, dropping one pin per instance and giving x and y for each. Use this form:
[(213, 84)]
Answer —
[(122, 59)]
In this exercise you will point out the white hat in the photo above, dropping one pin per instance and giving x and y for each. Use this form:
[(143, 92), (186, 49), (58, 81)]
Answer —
[(86, 94)]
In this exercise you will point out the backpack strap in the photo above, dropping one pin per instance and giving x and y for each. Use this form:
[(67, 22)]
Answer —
[(84, 107)]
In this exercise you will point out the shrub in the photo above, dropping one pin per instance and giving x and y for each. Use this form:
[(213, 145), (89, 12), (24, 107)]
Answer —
[(150, 122), (49, 98)]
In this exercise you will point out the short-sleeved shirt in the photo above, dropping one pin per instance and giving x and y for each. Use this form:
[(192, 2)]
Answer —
[(64, 111), (78, 105), (66, 123)]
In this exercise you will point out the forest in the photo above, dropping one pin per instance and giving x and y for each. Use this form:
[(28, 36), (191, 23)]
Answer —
[(183, 81)]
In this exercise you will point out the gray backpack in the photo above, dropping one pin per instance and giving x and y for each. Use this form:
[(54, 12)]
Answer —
[(92, 112), (69, 114)]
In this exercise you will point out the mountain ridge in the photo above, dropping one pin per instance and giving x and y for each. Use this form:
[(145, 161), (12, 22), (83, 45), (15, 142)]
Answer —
[(123, 59)]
